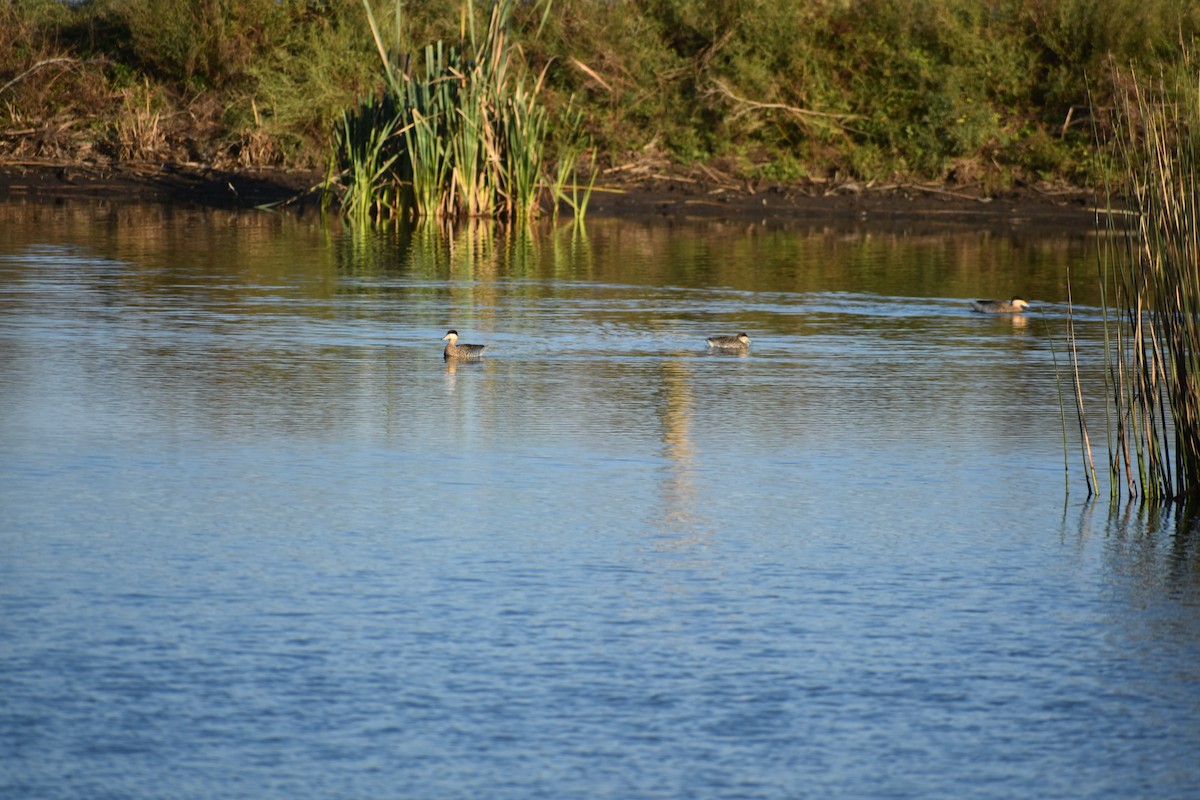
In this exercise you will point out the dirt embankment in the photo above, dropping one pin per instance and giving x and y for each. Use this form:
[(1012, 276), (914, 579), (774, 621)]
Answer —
[(671, 194)]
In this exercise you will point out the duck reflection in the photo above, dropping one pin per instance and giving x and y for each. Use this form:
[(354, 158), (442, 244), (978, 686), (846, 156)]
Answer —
[(453, 365)]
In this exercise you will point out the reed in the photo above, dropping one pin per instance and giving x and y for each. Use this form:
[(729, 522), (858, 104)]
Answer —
[(1149, 273), (139, 131), (422, 111), (364, 148), (567, 173), (467, 136)]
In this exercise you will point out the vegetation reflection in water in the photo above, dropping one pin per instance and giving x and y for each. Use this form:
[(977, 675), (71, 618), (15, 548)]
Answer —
[(619, 289)]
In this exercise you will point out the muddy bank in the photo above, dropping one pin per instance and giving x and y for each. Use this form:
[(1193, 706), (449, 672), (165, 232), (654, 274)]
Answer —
[(848, 203), (667, 196), (172, 183)]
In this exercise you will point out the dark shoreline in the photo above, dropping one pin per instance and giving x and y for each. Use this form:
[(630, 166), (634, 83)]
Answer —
[(669, 197)]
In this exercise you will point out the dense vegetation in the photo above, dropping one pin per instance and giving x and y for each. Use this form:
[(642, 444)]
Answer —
[(980, 93)]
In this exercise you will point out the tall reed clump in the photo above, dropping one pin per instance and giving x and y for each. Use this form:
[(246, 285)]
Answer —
[(457, 133), (1149, 270)]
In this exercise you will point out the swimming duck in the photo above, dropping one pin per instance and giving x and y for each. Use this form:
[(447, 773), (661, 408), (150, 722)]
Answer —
[(1014, 306), (455, 350), (739, 342)]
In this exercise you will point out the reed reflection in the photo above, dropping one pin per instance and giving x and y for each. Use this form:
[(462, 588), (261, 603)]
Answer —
[(1150, 556), (1157, 543)]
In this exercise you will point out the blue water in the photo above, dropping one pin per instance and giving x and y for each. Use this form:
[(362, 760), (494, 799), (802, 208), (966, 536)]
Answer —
[(257, 540)]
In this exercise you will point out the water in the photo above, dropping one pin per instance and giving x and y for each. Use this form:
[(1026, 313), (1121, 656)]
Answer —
[(257, 540)]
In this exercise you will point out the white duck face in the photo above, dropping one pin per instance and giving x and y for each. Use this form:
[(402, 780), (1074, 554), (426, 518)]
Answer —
[(1014, 306), (451, 336)]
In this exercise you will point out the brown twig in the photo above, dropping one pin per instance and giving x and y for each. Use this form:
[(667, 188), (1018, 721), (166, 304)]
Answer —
[(948, 193), (804, 114), (36, 67)]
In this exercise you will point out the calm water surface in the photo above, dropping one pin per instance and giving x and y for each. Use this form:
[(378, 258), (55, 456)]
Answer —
[(258, 541)]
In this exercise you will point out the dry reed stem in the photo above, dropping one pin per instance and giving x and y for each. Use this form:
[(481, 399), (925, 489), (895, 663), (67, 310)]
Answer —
[(1158, 288)]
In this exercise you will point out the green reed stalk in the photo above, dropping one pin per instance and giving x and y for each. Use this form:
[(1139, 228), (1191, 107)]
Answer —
[(364, 144), (425, 107), (566, 172), (1105, 258), (581, 198), (1089, 464), (1062, 410), (524, 125), (387, 63), (472, 132)]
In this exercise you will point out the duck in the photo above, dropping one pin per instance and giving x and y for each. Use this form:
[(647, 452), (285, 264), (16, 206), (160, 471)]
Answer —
[(739, 342), (1014, 306), (456, 350)]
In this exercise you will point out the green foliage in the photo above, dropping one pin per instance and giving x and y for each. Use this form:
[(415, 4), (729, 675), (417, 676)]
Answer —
[(873, 89), (785, 169), (201, 43), (1071, 37), (299, 87)]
